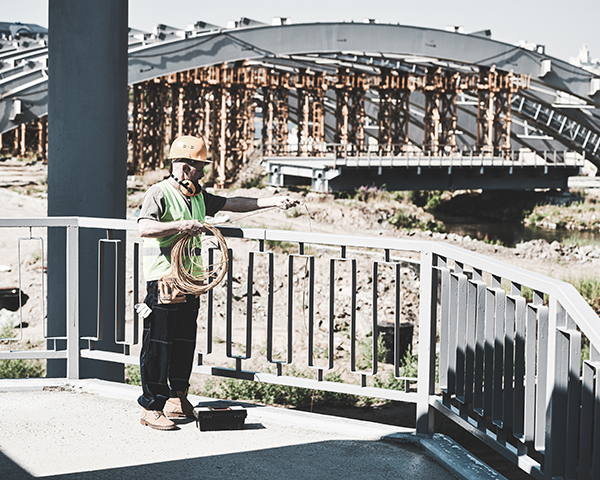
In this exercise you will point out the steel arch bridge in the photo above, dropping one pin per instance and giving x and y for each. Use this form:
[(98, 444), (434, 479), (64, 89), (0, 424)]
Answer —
[(337, 103)]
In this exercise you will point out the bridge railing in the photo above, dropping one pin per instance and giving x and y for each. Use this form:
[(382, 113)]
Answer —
[(509, 355), (460, 156)]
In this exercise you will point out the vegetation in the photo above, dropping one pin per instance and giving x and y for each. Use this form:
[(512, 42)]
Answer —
[(409, 368), (589, 288), (18, 368), (428, 200), (577, 212), (294, 213), (6, 331), (365, 353), (281, 246), (271, 394), (21, 369), (409, 221), (254, 182), (132, 375), (578, 241)]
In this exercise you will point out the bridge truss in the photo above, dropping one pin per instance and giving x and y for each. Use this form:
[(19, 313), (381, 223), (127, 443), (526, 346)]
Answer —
[(324, 90)]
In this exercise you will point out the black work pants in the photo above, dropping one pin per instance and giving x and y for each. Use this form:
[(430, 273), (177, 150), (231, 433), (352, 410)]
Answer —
[(167, 354)]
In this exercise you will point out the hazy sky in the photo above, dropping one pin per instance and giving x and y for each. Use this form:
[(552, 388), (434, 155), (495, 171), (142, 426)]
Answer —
[(562, 26)]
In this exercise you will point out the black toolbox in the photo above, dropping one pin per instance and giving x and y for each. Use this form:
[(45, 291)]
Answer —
[(219, 417)]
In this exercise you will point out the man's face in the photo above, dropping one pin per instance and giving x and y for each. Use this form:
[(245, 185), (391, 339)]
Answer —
[(192, 169)]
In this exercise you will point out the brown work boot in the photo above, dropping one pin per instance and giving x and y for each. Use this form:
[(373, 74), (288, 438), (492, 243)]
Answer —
[(156, 419), (178, 407)]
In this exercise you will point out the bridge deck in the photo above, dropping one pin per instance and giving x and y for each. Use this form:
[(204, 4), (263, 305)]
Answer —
[(423, 172), (90, 430)]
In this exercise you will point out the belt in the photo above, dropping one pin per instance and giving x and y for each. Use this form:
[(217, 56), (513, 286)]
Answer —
[(166, 251)]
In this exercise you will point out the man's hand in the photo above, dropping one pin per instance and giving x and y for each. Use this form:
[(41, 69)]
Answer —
[(192, 227), (286, 202), (153, 229), (143, 310)]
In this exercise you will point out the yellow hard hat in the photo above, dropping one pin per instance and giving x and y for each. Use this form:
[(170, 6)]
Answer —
[(188, 147)]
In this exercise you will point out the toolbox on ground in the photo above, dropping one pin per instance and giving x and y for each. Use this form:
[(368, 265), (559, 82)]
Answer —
[(220, 417)]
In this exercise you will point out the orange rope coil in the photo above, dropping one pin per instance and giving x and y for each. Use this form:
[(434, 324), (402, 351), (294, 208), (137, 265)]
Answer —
[(185, 261)]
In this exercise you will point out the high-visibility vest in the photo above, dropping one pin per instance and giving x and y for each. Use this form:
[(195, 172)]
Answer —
[(157, 251)]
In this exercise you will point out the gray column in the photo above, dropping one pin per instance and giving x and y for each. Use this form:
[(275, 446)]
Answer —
[(87, 153)]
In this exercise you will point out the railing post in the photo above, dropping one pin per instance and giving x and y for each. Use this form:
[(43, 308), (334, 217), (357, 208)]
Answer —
[(72, 310), (427, 328), (556, 393)]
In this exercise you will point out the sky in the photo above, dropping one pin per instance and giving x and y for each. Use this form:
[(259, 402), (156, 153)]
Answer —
[(562, 26)]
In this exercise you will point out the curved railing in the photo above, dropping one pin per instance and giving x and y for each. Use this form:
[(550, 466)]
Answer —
[(508, 354)]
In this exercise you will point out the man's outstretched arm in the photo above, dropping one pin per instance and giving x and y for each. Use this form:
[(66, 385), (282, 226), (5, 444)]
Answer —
[(249, 204)]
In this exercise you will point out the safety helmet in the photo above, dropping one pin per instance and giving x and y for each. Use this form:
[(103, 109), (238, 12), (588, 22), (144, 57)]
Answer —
[(188, 147)]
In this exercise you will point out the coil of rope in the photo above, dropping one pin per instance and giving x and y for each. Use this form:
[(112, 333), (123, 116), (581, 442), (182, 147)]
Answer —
[(183, 272), (185, 262)]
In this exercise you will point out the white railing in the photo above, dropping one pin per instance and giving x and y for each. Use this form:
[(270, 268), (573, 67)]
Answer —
[(296, 306), (403, 155)]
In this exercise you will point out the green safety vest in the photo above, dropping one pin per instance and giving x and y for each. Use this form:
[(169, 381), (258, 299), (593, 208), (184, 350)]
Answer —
[(157, 251)]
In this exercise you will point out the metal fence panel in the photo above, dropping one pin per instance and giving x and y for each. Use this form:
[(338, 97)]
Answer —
[(509, 363)]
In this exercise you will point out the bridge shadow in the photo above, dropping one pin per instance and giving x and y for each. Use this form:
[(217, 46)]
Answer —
[(10, 470), (325, 459)]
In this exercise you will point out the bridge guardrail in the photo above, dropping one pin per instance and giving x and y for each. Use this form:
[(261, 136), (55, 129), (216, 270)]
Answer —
[(345, 154), (500, 349)]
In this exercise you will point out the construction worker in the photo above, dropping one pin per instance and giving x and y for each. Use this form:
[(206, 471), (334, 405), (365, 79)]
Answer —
[(172, 206)]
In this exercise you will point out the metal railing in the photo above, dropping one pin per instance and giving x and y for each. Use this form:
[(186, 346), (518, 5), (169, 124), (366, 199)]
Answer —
[(500, 349), (349, 154)]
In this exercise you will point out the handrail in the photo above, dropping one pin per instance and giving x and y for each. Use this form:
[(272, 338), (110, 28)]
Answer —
[(531, 349), (512, 272), (564, 292)]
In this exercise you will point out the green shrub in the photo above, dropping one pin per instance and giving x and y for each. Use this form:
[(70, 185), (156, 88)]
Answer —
[(434, 201), (6, 331), (585, 351), (410, 221), (527, 293), (492, 241), (132, 375), (577, 241), (425, 199), (403, 220), (417, 197), (281, 246), (408, 368), (589, 288), (364, 359), (18, 368), (388, 381), (272, 394), (254, 182), (364, 194)]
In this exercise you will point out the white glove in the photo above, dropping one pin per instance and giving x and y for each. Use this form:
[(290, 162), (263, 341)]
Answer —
[(143, 310)]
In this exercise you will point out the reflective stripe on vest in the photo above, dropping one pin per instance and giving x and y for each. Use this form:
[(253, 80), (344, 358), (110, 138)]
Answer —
[(157, 260)]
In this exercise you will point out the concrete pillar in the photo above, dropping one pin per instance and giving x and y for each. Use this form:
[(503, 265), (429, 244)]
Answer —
[(87, 154)]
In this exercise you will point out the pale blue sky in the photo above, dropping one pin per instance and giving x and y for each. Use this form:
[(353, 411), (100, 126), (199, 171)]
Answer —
[(560, 25)]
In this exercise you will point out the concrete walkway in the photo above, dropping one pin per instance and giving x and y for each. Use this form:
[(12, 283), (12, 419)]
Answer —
[(90, 429)]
